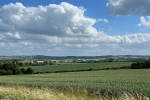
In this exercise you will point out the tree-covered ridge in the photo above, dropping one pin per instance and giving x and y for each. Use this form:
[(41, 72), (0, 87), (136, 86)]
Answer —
[(42, 57)]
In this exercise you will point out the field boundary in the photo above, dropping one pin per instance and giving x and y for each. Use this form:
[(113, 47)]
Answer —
[(90, 69)]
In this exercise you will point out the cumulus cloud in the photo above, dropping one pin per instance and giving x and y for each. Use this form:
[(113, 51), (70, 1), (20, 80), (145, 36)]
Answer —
[(53, 20), (60, 30), (102, 38), (144, 22), (128, 7)]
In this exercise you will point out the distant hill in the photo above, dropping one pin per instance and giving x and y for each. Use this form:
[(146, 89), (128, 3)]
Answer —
[(42, 57)]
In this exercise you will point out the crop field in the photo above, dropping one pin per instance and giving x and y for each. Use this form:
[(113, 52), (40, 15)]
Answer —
[(110, 81), (79, 66)]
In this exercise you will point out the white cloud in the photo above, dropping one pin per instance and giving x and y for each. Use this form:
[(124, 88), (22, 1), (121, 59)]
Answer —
[(128, 7), (26, 43), (144, 22), (104, 20), (53, 20), (17, 35), (61, 30), (9, 34), (100, 20)]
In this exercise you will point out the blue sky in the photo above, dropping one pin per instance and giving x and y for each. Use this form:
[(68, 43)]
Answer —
[(74, 27)]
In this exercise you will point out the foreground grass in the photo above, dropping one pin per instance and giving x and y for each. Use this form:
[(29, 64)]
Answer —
[(112, 82), (79, 66), (30, 93), (25, 93)]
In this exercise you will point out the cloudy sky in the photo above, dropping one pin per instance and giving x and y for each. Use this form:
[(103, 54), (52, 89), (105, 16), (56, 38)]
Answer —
[(74, 27)]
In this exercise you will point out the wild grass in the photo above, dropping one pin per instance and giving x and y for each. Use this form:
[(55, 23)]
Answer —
[(79, 66), (30, 93)]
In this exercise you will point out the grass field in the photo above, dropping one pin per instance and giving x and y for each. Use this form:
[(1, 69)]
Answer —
[(111, 81), (79, 66)]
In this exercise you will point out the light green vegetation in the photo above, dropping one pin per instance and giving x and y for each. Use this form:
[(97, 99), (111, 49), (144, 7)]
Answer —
[(110, 81), (79, 66), (30, 93)]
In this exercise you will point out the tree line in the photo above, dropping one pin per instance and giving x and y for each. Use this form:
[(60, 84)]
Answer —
[(8, 68), (35, 63), (141, 64)]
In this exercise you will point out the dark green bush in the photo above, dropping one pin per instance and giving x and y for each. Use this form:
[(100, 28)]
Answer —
[(141, 65), (4, 72), (90, 69), (37, 73), (126, 67), (52, 63), (29, 70), (16, 71), (23, 70), (8, 68)]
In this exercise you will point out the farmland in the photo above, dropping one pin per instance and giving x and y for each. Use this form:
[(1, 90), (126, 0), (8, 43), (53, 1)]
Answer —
[(79, 66), (111, 81)]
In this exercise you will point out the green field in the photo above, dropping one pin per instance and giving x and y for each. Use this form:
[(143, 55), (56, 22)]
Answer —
[(79, 66), (110, 81)]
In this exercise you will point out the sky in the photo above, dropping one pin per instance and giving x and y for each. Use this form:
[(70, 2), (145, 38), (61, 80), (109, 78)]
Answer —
[(74, 27)]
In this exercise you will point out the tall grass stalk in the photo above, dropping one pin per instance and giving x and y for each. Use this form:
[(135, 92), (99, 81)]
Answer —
[(31, 93)]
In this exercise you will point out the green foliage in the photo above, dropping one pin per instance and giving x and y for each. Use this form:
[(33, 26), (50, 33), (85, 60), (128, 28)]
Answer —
[(141, 65), (21, 64), (27, 64), (16, 71), (90, 69), (51, 63), (23, 70), (1, 63), (125, 67), (8, 68), (4, 72), (15, 61), (29, 70)]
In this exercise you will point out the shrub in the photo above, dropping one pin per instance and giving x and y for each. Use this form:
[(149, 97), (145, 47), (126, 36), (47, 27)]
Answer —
[(126, 67), (4, 72), (23, 70), (16, 71), (51, 63), (29, 70), (90, 69)]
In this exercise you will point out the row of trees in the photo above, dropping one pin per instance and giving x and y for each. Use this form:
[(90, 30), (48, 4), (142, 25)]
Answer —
[(141, 64), (8, 68)]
